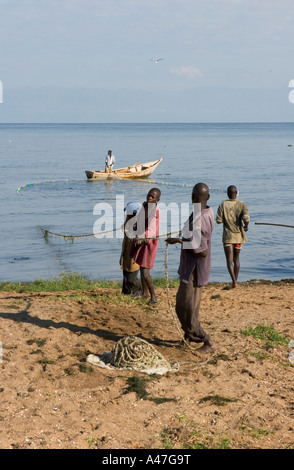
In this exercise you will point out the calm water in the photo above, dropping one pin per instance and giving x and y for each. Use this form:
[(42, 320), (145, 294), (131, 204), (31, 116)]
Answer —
[(257, 158)]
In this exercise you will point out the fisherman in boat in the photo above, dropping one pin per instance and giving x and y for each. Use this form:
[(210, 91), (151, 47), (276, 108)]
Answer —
[(109, 162)]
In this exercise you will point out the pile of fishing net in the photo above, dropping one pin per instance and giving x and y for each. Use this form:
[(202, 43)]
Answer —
[(136, 354), (291, 355)]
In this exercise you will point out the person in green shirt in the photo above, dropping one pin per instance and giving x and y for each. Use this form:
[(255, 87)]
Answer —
[(234, 215)]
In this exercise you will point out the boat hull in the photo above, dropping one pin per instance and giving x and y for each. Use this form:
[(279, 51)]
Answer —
[(136, 171)]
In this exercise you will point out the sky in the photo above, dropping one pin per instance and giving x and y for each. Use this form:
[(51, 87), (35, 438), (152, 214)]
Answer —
[(93, 60)]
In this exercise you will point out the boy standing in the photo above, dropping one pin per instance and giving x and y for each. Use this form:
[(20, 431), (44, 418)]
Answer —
[(234, 216), (144, 248), (194, 270), (131, 283)]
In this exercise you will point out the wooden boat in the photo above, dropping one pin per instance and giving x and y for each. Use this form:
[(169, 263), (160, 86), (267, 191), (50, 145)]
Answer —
[(138, 170)]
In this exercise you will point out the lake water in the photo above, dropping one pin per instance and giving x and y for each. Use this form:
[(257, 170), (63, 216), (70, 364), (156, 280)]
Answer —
[(48, 162)]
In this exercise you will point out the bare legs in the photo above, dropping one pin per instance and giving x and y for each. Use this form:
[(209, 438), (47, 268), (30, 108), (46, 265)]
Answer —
[(147, 285), (233, 262)]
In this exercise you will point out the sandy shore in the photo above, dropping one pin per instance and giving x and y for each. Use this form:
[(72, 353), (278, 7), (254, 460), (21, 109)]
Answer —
[(240, 397)]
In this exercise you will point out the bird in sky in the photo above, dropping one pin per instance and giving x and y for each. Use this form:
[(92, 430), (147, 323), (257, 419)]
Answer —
[(156, 60)]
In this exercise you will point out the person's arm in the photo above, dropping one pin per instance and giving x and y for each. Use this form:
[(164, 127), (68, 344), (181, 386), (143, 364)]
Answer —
[(219, 214), (173, 241), (245, 217)]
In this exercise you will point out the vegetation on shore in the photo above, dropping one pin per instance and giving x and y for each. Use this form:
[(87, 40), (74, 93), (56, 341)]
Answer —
[(71, 281), (75, 281)]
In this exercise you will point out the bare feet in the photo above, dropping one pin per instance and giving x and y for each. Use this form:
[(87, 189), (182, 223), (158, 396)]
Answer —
[(207, 347), (153, 302)]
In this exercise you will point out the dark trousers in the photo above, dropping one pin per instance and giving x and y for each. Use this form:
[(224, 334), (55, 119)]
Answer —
[(131, 283), (187, 308)]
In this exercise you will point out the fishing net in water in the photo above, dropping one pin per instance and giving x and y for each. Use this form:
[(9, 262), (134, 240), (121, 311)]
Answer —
[(134, 353)]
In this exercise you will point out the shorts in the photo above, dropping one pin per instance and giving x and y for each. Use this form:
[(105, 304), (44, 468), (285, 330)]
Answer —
[(238, 246)]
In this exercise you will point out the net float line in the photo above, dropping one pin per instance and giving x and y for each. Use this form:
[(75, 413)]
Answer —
[(71, 238), (37, 183)]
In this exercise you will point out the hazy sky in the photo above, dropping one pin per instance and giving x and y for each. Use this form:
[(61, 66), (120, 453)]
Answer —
[(109, 44)]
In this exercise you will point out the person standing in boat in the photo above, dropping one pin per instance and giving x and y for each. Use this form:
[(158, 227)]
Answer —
[(109, 162)]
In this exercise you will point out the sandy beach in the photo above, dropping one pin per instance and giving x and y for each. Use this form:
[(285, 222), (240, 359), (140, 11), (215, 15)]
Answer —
[(239, 397)]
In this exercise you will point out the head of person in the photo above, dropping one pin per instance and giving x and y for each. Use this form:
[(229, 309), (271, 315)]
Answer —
[(153, 196), (232, 192), (131, 209), (110, 152), (200, 194)]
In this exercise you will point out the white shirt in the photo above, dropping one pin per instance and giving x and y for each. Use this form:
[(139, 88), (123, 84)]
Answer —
[(110, 160)]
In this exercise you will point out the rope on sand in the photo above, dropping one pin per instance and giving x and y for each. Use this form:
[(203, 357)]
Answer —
[(168, 296), (137, 354), (171, 310), (108, 360)]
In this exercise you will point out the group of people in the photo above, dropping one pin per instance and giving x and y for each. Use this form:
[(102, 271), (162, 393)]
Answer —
[(140, 243), (140, 246)]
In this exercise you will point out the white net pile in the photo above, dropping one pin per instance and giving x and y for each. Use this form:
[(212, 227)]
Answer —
[(136, 354)]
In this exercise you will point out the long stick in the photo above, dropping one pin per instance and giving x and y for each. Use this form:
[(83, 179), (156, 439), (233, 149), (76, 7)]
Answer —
[(277, 225)]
